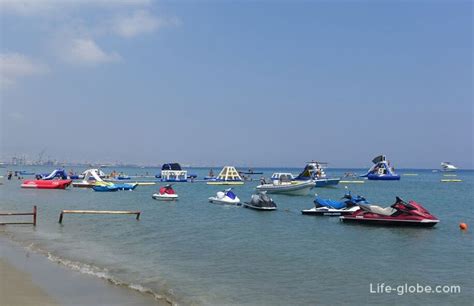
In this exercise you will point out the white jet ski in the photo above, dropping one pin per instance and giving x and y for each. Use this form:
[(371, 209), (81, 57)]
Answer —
[(225, 197)]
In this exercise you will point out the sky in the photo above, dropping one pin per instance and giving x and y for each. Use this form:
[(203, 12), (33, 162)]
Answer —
[(246, 83)]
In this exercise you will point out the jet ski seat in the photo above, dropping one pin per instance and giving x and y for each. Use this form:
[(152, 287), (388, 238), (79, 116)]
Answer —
[(387, 211)]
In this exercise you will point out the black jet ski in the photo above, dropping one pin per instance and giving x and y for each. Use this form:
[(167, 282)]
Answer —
[(261, 201)]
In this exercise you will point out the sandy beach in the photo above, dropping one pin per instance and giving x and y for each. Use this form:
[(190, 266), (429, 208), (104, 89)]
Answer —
[(28, 278), (17, 288)]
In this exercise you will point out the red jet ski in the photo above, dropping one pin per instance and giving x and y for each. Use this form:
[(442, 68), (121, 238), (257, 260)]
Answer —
[(399, 214), (46, 184), (166, 193)]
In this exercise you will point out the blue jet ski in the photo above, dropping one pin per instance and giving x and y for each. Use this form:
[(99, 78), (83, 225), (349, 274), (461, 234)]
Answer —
[(327, 207)]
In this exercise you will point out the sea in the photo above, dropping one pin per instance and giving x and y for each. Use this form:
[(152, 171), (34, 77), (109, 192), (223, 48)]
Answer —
[(193, 252)]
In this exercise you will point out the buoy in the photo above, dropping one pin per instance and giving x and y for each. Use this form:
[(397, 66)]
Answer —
[(463, 226)]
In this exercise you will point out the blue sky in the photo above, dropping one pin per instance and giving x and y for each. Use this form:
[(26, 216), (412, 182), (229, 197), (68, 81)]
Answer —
[(270, 83)]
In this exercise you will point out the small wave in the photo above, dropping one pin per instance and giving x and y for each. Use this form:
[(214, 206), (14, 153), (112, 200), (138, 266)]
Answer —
[(93, 270), (80, 267), (104, 274)]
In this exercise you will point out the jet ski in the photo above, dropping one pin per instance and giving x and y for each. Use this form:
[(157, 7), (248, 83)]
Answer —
[(225, 197), (260, 201), (326, 207), (166, 193), (399, 214)]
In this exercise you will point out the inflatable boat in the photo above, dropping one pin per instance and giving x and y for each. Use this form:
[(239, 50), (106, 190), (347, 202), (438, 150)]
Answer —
[(46, 184), (381, 170)]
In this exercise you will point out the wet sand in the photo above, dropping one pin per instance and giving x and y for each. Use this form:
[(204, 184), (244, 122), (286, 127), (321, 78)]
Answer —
[(27, 278), (17, 288)]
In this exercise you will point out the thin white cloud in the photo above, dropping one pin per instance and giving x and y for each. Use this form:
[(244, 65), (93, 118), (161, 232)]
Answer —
[(35, 7), (14, 66), (140, 22), (86, 51), (76, 38)]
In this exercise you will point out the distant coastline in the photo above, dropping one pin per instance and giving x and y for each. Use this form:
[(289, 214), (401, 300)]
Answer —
[(152, 166)]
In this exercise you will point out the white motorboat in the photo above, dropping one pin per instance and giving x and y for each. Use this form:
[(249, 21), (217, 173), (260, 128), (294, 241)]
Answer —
[(284, 183), (447, 166), (225, 197)]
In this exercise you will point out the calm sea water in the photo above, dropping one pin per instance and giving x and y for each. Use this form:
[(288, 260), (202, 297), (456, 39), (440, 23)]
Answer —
[(202, 253)]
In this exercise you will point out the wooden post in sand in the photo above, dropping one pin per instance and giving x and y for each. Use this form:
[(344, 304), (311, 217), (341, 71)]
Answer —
[(99, 212), (21, 214), (34, 215)]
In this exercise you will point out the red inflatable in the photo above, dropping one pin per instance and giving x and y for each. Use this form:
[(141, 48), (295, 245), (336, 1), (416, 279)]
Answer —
[(46, 184)]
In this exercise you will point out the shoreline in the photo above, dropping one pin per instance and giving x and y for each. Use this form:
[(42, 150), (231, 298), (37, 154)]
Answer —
[(51, 282)]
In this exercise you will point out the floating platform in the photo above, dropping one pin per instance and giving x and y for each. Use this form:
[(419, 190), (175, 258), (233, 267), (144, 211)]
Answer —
[(410, 174), (228, 176), (225, 183), (145, 183), (351, 182), (449, 174), (451, 181)]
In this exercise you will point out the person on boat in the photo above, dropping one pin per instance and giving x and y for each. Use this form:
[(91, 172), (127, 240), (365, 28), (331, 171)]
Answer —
[(211, 173), (167, 190), (263, 181), (9, 176)]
